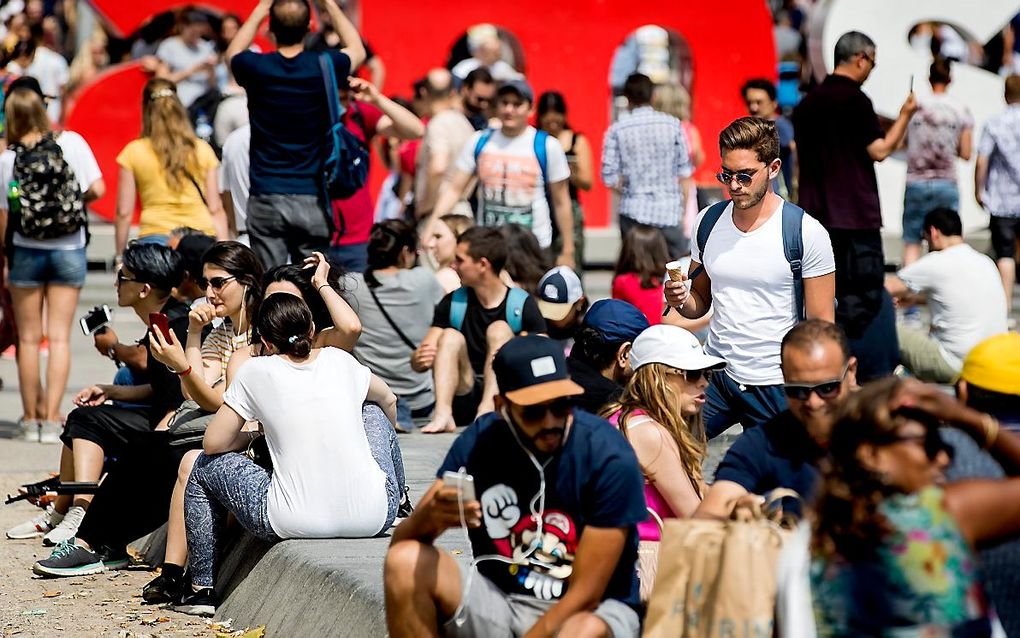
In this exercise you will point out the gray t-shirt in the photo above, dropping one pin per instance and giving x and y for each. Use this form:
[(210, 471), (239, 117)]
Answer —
[(410, 297), (179, 56)]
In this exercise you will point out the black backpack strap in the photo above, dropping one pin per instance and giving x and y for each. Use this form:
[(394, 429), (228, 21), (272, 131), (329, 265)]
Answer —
[(793, 248), (389, 320), (708, 222), (198, 188)]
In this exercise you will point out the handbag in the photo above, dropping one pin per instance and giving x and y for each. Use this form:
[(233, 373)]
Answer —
[(187, 426), (648, 561), (389, 320), (716, 577)]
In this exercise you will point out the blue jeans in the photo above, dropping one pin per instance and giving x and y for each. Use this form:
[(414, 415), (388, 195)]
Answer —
[(406, 415), (126, 377), (920, 198), (352, 257), (162, 240), (728, 403), (36, 267)]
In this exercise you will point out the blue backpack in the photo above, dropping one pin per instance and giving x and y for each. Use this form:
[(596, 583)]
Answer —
[(541, 154), (515, 299), (793, 246), (346, 169)]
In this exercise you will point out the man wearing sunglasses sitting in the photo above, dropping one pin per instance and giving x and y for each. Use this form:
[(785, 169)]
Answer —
[(819, 374), (554, 528)]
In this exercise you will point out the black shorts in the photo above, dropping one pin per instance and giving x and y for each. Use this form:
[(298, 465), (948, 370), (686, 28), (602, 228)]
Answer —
[(465, 406), (112, 428), (1004, 233)]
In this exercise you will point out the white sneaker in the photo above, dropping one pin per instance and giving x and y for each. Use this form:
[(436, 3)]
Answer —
[(50, 431), (29, 430), (38, 526), (66, 529)]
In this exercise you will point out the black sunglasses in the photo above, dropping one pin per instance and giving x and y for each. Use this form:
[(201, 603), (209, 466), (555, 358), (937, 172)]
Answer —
[(694, 376), (825, 389), (869, 59), (560, 408), (931, 441), (218, 282), (744, 179), (121, 278)]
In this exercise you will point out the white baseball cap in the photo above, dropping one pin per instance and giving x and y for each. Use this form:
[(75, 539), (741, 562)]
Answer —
[(558, 291), (672, 346)]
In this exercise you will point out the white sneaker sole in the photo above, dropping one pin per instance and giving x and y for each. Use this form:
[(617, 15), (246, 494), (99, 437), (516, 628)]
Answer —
[(86, 570), (207, 611), (25, 536)]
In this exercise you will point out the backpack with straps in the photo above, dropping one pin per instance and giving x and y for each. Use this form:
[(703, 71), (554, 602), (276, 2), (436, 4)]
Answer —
[(793, 246), (515, 299), (52, 204), (541, 154), (346, 168)]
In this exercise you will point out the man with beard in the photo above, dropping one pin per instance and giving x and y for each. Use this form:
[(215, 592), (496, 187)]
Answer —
[(553, 530), (752, 280), (819, 374)]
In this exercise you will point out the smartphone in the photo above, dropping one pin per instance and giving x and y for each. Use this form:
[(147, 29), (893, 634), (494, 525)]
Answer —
[(96, 319), (159, 320), (463, 482)]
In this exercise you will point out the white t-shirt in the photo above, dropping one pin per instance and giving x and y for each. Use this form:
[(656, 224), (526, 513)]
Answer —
[(180, 57), (78, 155), (53, 73), (234, 176), (511, 188), (965, 297), (325, 483), (752, 291), (501, 70)]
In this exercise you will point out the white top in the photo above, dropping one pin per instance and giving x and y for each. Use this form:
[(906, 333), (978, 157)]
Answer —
[(53, 73), (79, 156), (501, 70), (752, 291), (511, 187), (234, 176), (325, 482), (965, 297), (179, 57)]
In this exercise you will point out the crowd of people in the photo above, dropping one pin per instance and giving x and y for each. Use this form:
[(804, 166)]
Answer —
[(288, 337)]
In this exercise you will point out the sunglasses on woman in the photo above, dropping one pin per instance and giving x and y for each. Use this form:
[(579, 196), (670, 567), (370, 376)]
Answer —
[(560, 408), (825, 390), (218, 282), (694, 376), (931, 441)]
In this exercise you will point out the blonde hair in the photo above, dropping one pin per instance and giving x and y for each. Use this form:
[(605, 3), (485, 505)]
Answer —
[(166, 125), (457, 223), (24, 113), (674, 100), (650, 392)]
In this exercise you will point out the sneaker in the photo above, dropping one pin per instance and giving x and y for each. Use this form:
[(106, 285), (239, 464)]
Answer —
[(405, 509), (165, 589), (50, 431), (69, 559), (11, 353), (66, 529), (197, 603), (38, 526), (29, 430)]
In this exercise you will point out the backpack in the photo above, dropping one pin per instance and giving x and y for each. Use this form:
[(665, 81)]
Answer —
[(52, 204), (541, 154), (515, 299), (793, 246), (346, 168)]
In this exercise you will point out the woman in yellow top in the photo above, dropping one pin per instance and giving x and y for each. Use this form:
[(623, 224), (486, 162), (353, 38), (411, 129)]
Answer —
[(172, 172)]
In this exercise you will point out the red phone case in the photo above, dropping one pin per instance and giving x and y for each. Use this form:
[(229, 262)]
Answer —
[(160, 320)]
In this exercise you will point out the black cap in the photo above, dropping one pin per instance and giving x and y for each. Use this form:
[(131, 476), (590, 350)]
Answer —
[(532, 369), (27, 82)]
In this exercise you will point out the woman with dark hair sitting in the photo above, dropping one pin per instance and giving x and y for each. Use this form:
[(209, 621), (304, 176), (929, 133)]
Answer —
[(324, 483), (894, 544), (395, 300)]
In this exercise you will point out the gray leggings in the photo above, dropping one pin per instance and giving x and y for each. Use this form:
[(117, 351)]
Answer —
[(233, 483)]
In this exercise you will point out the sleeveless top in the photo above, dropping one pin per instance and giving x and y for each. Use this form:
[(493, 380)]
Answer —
[(571, 154), (923, 582), (648, 530)]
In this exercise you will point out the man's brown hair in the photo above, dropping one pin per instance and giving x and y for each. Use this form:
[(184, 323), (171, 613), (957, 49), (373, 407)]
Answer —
[(1013, 89), (485, 242), (753, 134)]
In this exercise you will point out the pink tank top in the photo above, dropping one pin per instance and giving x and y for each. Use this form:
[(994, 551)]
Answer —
[(648, 530)]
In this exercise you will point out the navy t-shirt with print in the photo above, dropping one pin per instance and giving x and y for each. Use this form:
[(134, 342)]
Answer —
[(594, 480), (289, 118)]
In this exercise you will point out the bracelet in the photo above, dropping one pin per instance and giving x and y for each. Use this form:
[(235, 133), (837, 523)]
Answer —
[(184, 373), (991, 428), (323, 286)]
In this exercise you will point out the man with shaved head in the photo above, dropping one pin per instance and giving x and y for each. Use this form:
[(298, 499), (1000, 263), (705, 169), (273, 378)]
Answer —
[(445, 135)]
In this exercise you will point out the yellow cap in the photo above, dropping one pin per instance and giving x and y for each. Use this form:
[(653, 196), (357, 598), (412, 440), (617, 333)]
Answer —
[(994, 364)]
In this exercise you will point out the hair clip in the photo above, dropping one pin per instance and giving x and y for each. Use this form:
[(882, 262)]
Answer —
[(161, 93), (292, 339)]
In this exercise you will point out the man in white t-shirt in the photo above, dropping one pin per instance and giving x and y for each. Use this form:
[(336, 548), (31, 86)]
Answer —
[(48, 67), (512, 185), (235, 181), (963, 291), (188, 60), (749, 282)]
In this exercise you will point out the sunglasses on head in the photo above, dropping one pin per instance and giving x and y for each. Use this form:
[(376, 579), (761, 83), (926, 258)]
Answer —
[(218, 282), (825, 390), (560, 409)]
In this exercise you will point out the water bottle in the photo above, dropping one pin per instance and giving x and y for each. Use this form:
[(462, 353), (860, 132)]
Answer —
[(13, 197), (203, 129)]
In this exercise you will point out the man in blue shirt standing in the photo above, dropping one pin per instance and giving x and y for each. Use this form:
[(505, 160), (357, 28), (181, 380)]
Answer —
[(289, 116), (553, 529)]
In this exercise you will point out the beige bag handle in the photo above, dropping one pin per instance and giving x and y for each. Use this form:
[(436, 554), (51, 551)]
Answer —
[(657, 519)]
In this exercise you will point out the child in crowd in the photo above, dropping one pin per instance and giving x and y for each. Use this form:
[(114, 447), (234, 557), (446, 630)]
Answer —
[(639, 271)]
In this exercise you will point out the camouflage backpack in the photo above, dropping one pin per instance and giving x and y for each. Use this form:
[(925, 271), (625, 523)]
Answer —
[(52, 204)]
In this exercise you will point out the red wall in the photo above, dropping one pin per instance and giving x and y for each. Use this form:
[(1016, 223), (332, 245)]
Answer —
[(568, 46)]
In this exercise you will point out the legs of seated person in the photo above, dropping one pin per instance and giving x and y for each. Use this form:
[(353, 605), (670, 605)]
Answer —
[(452, 376), (497, 334), (220, 484), (424, 587), (921, 355), (728, 403), (176, 534), (382, 441)]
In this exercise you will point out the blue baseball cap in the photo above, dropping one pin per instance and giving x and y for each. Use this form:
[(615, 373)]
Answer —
[(617, 321), (532, 369)]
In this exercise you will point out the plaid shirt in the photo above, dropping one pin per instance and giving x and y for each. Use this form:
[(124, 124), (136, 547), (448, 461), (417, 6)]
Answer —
[(645, 156), (1000, 143)]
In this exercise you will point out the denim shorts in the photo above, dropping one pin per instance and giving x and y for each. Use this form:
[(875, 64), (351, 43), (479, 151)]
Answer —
[(36, 267), (920, 198)]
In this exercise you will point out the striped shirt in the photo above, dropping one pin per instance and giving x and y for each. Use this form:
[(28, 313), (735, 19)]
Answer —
[(645, 156), (1000, 143), (220, 345)]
